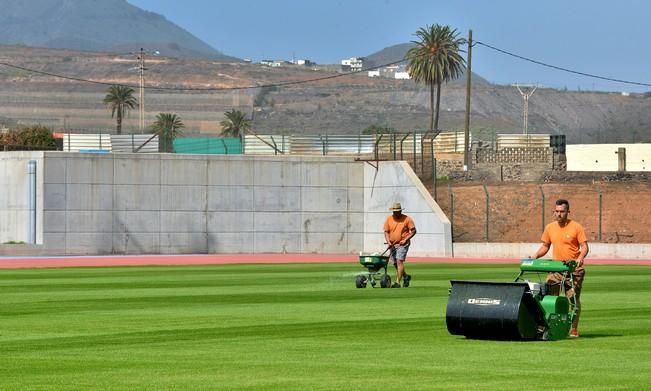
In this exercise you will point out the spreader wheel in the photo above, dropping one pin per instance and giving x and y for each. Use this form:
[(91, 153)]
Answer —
[(360, 281)]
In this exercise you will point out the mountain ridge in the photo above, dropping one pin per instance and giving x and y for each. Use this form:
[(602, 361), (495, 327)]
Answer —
[(97, 25)]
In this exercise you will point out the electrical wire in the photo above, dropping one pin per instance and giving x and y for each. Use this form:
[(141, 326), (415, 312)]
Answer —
[(561, 68), (297, 82), (288, 83)]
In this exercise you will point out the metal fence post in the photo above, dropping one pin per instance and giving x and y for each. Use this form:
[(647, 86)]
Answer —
[(451, 211), (414, 149), (433, 170), (542, 208), (600, 210), (401, 144), (487, 210)]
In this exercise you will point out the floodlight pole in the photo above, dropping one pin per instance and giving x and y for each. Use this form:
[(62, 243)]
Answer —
[(141, 103), (525, 114), (466, 133)]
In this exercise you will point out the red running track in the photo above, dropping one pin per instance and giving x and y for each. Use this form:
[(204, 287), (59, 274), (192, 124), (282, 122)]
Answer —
[(222, 259)]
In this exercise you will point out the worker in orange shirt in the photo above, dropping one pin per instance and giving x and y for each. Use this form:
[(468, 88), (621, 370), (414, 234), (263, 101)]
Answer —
[(398, 231), (570, 243)]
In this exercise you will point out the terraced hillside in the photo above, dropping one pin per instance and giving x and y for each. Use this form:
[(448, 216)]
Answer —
[(344, 104)]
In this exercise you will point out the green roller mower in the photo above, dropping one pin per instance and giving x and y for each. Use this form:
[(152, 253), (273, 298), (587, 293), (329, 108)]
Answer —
[(376, 266), (524, 309)]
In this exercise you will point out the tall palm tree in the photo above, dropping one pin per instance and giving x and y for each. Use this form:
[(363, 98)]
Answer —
[(235, 124), (120, 100), (167, 126), (434, 60)]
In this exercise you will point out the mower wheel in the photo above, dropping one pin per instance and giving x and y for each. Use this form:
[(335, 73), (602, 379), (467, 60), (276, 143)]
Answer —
[(385, 281), (360, 281)]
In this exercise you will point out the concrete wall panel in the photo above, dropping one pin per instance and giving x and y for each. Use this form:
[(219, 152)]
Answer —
[(139, 197), (328, 175), (141, 169), (89, 168), (277, 172), (89, 243), (232, 172), (277, 242), (324, 199), (277, 198), (182, 221), (136, 221), (183, 243), (239, 242), (230, 198), (84, 221), (55, 196), (89, 196), (192, 171), (278, 222), (186, 198), (231, 222), (166, 203), (136, 243)]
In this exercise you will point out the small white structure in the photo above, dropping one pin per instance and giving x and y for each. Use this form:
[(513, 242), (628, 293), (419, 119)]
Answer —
[(353, 63), (375, 73), (402, 75)]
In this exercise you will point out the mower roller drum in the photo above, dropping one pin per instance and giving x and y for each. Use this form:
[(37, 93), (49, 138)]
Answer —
[(519, 310)]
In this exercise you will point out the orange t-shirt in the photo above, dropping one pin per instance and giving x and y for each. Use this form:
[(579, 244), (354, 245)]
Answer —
[(565, 240), (398, 228)]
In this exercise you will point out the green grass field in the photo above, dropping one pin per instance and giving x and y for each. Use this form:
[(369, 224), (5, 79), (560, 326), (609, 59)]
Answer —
[(300, 327)]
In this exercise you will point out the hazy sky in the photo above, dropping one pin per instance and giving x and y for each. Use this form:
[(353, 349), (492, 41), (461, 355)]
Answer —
[(605, 38)]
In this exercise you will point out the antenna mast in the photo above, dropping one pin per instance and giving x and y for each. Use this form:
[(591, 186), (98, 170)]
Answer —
[(525, 115)]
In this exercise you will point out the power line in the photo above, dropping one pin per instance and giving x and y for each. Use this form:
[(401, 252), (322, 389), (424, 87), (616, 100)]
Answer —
[(561, 68), (288, 83)]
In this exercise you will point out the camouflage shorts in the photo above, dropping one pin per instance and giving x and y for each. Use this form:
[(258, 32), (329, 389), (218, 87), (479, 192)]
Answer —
[(554, 280)]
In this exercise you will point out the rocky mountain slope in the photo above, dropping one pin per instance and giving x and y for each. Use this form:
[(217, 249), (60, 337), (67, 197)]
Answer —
[(96, 25)]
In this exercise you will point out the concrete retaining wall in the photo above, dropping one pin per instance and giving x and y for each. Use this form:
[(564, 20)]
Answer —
[(522, 250), (160, 203)]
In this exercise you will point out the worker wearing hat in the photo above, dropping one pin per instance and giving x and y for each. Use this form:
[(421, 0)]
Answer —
[(398, 231)]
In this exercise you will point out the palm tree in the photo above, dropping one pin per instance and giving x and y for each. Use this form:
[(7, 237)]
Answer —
[(435, 59), (235, 124), (167, 126), (120, 100)]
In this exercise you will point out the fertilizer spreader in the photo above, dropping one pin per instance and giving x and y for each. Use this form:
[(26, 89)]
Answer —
[(376, 265), (519, 310)]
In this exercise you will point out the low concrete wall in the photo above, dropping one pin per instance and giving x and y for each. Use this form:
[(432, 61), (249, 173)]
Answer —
[(523, 250), (170, 204)]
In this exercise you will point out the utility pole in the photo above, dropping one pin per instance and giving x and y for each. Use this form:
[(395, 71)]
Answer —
[(141, 103), (525, 114), (466, 134)]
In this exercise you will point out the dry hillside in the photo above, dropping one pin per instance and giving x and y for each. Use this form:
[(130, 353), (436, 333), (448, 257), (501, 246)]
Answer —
[(346, 104)]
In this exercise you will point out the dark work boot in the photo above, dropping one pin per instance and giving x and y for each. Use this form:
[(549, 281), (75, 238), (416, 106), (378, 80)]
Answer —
[(406, 280)]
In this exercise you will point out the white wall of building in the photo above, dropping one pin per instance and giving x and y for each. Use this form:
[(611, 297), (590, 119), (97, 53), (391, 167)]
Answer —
[(604, 157)]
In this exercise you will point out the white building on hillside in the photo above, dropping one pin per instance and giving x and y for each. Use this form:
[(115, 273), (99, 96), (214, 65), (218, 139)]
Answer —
[(352, 64)]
